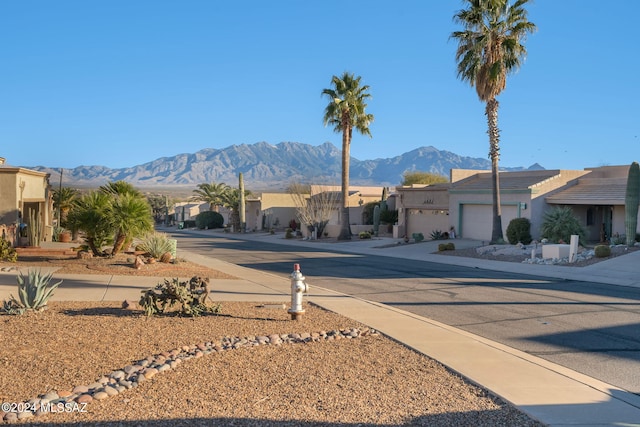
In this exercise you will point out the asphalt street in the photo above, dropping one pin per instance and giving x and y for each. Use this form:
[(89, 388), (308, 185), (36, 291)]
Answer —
[(591, 328)]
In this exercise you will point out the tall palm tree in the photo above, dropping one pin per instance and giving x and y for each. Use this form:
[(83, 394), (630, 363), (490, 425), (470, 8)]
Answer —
[(346, 111), (211, 193), (490, 48)]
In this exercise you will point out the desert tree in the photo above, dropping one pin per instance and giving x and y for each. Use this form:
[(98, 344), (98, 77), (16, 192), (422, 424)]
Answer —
[(313, 210)]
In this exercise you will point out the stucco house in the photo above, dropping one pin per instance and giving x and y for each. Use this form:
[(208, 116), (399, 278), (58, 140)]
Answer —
[(24, 194), (598, 199), (596, 195)]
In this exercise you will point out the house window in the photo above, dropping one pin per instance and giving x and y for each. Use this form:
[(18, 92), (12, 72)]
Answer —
[(590, 216)]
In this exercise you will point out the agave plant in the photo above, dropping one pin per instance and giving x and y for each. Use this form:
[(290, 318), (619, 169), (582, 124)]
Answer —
[(34, 291)]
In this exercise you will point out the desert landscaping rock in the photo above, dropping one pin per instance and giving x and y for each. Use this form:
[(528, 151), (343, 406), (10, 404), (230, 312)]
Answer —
[(264, 382)]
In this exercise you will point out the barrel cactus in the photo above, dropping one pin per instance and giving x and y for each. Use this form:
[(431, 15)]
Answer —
[(631, 203)]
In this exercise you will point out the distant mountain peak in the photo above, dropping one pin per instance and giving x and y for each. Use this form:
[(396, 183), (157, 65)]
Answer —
[(271, 167)]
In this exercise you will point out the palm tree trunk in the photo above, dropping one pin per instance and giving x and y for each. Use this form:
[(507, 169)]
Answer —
[(494, 154), (117, 246), (345, 229)]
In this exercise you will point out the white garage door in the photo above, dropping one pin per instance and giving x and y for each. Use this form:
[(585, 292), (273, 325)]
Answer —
[(477, 221), (425, 221)]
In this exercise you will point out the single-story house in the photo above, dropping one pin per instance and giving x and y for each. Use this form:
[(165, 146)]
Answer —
[(596, 195), (24, 194), (598, 199), (522, 195)]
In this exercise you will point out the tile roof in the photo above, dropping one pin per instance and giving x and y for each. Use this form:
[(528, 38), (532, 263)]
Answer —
[(592, 192), (508, 181)]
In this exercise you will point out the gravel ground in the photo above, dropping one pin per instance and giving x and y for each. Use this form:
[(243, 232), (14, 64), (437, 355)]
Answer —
[(370, 380)]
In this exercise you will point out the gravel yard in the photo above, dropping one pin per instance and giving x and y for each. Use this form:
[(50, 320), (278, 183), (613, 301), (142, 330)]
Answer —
[(369, 380)]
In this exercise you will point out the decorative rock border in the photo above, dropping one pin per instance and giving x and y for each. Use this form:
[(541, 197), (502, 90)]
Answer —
[(142, 370)]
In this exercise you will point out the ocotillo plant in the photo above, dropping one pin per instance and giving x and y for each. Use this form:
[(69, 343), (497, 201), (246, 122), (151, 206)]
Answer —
[(631, 203)]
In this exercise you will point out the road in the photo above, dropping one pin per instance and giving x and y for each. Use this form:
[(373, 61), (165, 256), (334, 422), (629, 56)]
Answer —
[(588, 327)]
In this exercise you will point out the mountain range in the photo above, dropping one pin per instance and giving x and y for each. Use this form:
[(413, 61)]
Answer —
[(270, 167)]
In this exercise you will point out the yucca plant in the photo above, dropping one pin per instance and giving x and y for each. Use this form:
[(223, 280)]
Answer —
[(156, 245), (34, 291)]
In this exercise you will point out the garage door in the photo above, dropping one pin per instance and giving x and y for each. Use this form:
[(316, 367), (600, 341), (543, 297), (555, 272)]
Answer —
[(426, 220), (477, 221)]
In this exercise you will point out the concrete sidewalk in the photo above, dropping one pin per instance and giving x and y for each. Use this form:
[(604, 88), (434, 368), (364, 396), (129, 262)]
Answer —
[(548, 392)]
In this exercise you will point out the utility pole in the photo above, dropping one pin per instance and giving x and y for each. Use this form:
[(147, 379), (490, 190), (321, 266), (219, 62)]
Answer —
[(59, 223)]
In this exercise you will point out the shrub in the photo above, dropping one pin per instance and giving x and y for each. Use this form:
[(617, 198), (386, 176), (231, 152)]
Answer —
[(7, 252), (288, 233), (446, 247), (209, 220), (156, 245), (519, 230), (388, 216), (602, 251), (365, 235), (34, 292), (418, 237), (191, 296), (559, 224)]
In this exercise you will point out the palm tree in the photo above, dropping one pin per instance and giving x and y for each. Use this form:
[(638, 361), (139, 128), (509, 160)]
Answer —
[(90, 213), (211, 193), (62, 202), (490, 48), (231, 200), (130, 216), (130, 213), (346, 111), (120, 187)]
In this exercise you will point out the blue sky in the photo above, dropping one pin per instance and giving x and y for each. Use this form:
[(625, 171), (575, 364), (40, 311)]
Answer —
[(120, 83)]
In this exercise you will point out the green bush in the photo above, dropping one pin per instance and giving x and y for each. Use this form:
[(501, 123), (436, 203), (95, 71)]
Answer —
[(418, 237), (7, 252), (519, 230), (209, 220), (559, 224), (288, 233), (364, 235), (602, 251), (388, 216), (446, 247)]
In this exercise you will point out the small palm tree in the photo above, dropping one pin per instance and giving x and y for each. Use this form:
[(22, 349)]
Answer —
[(347, 110), (63, 201), (489, 48), (211, 193), (231, 200), (130, 216), (90, 214)]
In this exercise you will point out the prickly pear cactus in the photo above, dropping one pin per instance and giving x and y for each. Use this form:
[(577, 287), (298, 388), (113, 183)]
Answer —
[(631, 203)]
